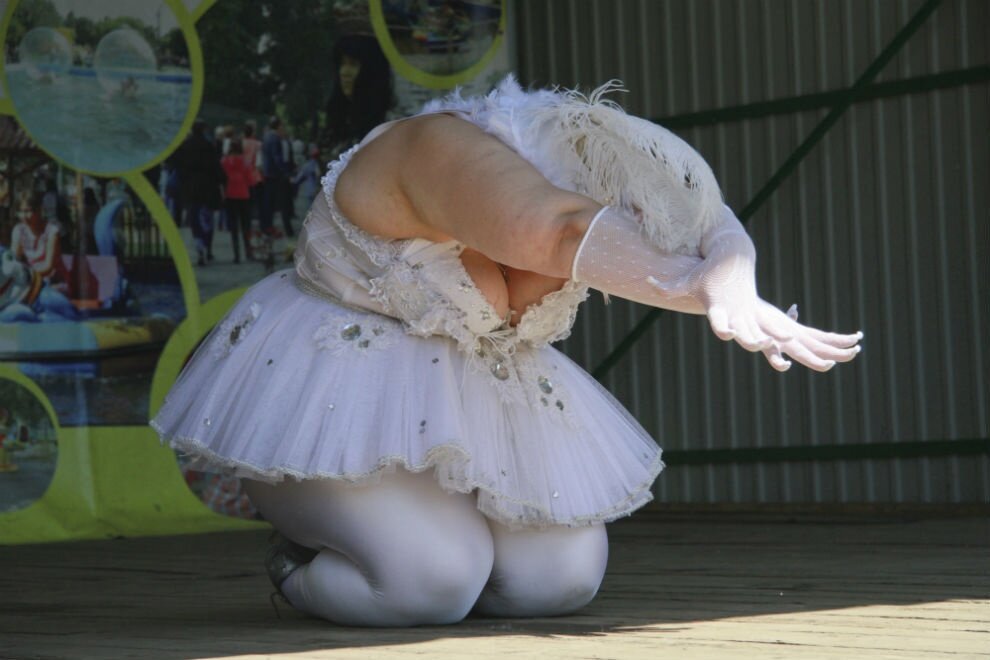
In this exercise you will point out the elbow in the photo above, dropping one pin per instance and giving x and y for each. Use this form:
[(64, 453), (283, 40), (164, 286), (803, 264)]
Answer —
[(567, 230), (551, 232)]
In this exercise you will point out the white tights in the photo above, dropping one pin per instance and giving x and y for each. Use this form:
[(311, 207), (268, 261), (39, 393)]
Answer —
[(404, 552)]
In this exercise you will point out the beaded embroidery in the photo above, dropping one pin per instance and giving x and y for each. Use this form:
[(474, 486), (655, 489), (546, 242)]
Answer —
[(232, 332), (352, 331)]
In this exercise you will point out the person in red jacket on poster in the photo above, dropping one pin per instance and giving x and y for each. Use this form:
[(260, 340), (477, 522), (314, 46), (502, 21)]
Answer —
[(237, 197)]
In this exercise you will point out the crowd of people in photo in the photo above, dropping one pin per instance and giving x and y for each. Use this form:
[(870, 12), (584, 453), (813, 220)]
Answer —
[(238, 180), (234, 182)]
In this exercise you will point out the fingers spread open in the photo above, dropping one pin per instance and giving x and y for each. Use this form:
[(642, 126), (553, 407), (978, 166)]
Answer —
[(829, 352), (834, 339), (776, 359), (719, 320), (762, 338), (805, 356), (775, 323), (745, 336)]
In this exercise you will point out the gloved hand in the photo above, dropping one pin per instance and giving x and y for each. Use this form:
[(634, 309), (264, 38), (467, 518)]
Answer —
[(616, 259)]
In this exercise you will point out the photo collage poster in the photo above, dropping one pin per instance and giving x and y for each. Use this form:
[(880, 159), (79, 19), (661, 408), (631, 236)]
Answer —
[(121, 244)]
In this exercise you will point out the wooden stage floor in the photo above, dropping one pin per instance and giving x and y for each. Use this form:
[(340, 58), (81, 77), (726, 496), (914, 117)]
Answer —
[(704, 586)]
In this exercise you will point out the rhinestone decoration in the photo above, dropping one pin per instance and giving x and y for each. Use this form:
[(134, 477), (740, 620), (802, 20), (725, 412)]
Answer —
[(235, 333), (270, 361), (544, 401), (232, 331), (485, 315), (207, 421), (335, 253), (464, 286), (560, 404), (422, 427), (545, 385), (350, 332), (555, 495), (435, 360), (500, 371), (354, 333), (330, 406)]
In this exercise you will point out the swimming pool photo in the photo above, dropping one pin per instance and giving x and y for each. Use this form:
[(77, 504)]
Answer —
[(120, 120)]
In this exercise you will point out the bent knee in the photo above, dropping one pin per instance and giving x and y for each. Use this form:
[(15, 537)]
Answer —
[(572, 595), (437, 587), (554, 595), (546, 573)]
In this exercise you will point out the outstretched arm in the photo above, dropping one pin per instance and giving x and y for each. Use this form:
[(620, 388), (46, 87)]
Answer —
[(615, 258), (440, 177)]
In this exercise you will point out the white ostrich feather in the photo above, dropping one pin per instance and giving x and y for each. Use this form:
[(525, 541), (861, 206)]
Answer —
[(588, 144)]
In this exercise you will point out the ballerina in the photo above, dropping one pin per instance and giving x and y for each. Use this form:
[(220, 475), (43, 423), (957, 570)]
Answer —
[(393, 404)]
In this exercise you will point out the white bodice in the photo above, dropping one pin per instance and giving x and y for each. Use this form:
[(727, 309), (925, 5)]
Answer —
[(419, 282)]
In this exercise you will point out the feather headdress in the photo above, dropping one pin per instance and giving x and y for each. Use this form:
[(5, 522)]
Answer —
[(588, 144)]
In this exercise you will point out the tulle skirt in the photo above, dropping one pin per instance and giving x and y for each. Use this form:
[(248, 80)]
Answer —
[(290, 385)]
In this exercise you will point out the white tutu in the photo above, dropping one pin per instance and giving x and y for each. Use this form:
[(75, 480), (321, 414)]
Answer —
[(293, 385)]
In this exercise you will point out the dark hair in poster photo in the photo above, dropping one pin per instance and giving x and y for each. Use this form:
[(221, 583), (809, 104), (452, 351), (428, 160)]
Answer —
[(362, 91)]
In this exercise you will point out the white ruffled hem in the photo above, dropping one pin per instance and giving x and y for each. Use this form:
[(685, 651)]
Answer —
[(502, 507)]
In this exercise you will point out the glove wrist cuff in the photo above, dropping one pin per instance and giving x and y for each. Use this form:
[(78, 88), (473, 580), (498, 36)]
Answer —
[(584, 240)]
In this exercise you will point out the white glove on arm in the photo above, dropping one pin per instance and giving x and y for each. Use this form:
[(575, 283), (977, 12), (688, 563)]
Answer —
[(615, 258)]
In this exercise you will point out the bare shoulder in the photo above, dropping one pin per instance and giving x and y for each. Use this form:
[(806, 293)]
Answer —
[(372, 189), (441, 177), (367, 190)]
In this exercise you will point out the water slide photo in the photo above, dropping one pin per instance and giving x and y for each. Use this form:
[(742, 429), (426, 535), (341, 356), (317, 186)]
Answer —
[(123, 68)]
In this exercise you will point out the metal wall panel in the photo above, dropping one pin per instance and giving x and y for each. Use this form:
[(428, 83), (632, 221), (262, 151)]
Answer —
[(884, 227)]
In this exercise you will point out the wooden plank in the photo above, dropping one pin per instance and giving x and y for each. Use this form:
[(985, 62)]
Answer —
[(710, 587)]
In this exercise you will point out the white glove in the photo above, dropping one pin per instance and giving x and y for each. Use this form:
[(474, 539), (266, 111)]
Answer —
[(615, 258)]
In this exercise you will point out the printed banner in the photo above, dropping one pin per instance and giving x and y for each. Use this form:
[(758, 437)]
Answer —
[(156, 159)]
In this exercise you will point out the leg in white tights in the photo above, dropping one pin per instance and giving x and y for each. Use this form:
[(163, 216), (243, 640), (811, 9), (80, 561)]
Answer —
[(404, 552), (401, 552), (544, 572)]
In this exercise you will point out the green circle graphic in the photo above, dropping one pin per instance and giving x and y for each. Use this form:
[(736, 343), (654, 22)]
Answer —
[(15, 378), (423, 78)]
